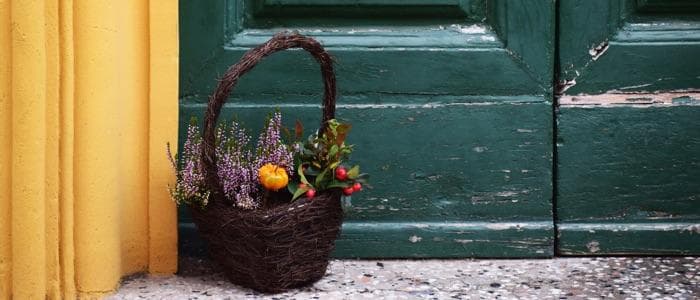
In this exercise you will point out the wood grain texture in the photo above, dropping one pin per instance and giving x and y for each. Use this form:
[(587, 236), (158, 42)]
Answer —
[(658, 238), (619, 165), (635, 46), (439, 162)]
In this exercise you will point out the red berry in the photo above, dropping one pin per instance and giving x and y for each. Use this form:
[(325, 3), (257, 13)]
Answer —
[(310, 194), (341, 173), (357, 187), (348, 191)]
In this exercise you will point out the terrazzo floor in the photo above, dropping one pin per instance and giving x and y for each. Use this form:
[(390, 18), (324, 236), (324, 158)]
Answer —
[(560, 278)]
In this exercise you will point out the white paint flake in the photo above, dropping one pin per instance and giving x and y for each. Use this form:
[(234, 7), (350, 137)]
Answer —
[(593, 246), (597, 51), (471, 29), (480, 149), (415, 239)]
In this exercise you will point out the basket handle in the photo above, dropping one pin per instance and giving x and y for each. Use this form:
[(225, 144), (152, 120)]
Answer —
[(280, 41)]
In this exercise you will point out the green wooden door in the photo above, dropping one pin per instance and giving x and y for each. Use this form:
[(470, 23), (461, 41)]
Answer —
[(628, 134), (451, 103)]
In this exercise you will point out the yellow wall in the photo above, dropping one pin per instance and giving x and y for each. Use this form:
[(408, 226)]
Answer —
[(88, 99)]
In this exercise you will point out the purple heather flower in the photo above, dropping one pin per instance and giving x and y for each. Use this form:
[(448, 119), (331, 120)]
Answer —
[(236, 165), (271, 149), (191, 178)]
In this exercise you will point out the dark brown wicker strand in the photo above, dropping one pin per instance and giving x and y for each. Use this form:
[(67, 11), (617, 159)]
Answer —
[(276, 248)]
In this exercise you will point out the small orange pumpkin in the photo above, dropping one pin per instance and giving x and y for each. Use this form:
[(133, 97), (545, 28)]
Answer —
[(273, 177)]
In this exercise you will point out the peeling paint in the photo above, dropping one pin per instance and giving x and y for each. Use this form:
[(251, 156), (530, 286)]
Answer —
[(503, 226), (597, 51), (480, 149), (672, 98), (506, 194), (593, 246), (695, 228), (463, 241), (634, 86), (564, 85), (471, 29), (415, 239)]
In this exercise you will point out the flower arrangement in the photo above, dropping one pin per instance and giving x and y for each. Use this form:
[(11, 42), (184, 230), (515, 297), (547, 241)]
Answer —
[(250, 175)]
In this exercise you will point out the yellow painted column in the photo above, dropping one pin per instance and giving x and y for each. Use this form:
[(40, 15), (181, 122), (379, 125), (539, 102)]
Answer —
[(51, 181), (96, 152), (29, 92), (89, 94), (66, 150), (163, 129), (133, 90), (5, 150)]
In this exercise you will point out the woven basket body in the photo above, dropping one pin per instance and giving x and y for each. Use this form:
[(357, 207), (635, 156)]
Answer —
[(276, 249), (283, 245)]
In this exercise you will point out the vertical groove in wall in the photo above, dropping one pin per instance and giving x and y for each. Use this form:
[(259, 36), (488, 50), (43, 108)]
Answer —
[(76, 168), (29, 98), (5, 150), (133, 125), (97, 144), (555, 130), (66, 247), (53, 267), (163, 112)]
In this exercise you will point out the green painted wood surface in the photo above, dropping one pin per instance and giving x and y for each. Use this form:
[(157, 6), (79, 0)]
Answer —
[(461, 163), (657, 238), (627, 169), (628, 46), (625, 173), (450, 105)]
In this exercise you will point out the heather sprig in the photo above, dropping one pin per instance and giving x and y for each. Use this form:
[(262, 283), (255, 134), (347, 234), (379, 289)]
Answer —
[(235, 170), (237, 163), (271, 149), (189, 186)]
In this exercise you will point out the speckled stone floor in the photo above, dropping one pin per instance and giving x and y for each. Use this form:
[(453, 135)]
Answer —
[(560, 278)]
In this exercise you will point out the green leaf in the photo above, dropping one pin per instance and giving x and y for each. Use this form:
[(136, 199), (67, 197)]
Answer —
[(292, 187), (299, 192), (334, 165), (320, 177), (354, 172), (339, 184), (301, 175), (333, 152)]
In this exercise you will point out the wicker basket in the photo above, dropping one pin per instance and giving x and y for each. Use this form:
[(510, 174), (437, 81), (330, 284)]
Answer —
[(281, 246)]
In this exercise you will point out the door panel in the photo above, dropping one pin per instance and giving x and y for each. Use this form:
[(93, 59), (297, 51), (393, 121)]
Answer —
[(450, 105), (628, 135)]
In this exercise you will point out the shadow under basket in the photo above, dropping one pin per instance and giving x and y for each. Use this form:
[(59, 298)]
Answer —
[(285, 247), (276, 247)]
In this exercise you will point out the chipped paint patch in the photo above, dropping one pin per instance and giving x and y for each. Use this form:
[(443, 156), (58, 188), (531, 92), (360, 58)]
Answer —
[(695, 228), (503, 226), (506, 194), (674, 98), (564, 85), (598, 51), (415, 239), (480, 149), (593, 246), (463, 241), (471, 29), (421, 225)]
